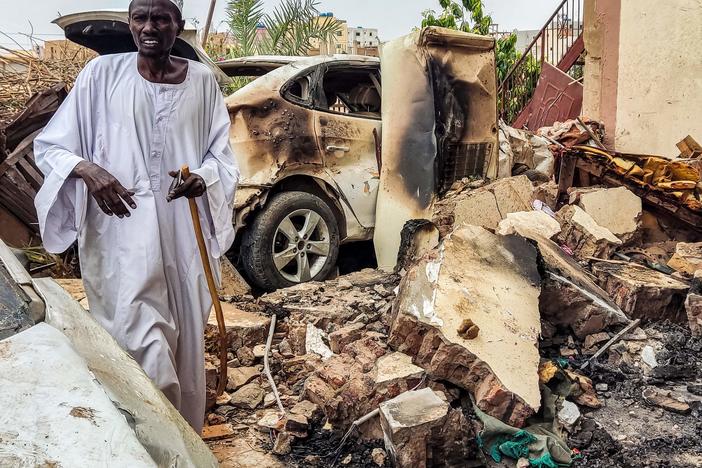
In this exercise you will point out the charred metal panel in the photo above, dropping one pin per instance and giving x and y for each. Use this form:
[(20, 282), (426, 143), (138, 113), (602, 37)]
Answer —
[(439, 124), (467, 159), (557, 98)]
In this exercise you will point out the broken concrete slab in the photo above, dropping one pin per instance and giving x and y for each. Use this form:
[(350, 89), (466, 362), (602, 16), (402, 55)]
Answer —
[(420, 429), (396, 366), (617, 209), (240, 376), (243, 328), (408, 422), (569, 296), (53, 411), (687, 258), (157, 424), (218, 432), (418, 237), (642, 292), (489, 205), (569, 415), (492, 280), (250, 396), (344, 336), (581, 233), (529, 224)]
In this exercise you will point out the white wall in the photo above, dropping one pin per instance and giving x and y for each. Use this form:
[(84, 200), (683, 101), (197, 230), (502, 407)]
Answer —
[(659, 95)]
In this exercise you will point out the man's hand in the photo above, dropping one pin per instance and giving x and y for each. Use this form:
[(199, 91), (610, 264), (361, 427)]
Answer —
[(192, 187), (109, 194)]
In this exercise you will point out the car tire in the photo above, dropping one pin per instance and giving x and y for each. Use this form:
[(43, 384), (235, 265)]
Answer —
[(294, 239)]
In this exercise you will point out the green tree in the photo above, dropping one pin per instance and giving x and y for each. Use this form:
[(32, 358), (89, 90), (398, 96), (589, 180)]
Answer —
[(290, 28), (469, 16)]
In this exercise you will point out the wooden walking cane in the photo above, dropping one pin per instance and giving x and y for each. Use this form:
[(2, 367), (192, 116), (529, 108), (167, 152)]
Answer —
[(185, 172)]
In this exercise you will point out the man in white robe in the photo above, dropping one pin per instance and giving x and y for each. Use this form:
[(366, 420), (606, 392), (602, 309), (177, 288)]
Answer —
[(108, 155)]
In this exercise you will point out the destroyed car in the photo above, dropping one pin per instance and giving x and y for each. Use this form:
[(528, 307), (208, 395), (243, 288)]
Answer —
[(307, 135)]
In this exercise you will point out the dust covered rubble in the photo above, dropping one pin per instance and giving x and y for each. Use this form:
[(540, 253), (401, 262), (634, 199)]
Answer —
[(490, 326)]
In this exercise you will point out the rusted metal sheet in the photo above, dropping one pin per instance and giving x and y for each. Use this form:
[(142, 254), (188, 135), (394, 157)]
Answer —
[(439, 125), (557, 98)]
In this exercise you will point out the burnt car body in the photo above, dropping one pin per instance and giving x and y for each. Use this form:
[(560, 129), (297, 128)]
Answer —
[(307, 134), (313, 126)]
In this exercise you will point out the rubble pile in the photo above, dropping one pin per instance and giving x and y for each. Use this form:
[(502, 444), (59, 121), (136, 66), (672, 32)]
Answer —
[(529, 330)]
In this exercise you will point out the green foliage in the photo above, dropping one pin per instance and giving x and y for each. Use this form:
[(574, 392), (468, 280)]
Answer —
[(290, 28), (466, 16)]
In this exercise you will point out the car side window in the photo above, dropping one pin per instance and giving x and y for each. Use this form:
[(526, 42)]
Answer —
[(352, 91), (298, 90)]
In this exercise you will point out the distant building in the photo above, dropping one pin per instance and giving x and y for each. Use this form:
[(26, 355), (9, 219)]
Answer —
[(64, 49), (363, 37), (338, 44)]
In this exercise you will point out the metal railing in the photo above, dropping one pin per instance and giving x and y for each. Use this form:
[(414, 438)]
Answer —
[(554, 44)]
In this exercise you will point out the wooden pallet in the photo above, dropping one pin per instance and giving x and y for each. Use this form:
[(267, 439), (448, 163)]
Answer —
[(20, 180)]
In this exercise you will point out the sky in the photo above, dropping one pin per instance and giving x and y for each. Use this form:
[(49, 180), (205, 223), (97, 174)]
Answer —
[(393, 18)]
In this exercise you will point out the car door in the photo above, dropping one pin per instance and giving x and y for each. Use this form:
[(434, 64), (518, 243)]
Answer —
[(348, 127)]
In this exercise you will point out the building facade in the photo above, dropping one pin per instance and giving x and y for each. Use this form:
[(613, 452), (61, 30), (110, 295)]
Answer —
[(642, 72)]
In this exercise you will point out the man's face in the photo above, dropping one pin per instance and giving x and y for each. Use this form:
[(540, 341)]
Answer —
[(155, 24)]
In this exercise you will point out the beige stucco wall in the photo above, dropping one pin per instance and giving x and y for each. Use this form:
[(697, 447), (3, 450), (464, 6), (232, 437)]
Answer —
[(659, 98), (644, 78)]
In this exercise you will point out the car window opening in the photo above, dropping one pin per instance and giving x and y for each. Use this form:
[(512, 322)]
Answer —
[(351, 92)]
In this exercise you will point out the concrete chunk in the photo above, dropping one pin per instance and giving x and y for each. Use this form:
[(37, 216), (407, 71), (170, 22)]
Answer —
[(396, 366), (529, 223), (642, 292), (687, 258), (243, 328), (489, 205), (493, 281), (582, 234), (408, 422), (616, 209)]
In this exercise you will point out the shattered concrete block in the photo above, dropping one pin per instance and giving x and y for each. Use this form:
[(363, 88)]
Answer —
[(583, 235), (249, 396), (693, 305), (240, 376), (309, 410), (687, 258), (591, 341), (408, 422), (528, 224), (489, 205), (297, 424), (344, 336), (493, 281), (570, 298), (617, 209), (243, 328), (642, 292), (421, 430), (397, 366)]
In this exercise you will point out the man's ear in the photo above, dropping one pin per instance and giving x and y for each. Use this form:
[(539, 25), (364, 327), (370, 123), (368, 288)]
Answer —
[(181, 27)]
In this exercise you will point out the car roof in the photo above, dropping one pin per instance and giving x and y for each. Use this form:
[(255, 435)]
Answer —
[(261, 64)]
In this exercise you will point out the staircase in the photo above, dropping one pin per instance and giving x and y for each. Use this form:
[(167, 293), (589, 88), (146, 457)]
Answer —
[(558, 44)]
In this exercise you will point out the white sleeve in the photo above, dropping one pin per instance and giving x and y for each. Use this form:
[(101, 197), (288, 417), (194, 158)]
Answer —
[(62, 144), (220, 172)]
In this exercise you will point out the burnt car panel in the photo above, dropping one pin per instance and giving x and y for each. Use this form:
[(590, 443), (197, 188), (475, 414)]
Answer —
[(439, 125)]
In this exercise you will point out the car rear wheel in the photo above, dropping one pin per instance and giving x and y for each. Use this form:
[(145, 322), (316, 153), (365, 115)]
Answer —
[(294, 239)]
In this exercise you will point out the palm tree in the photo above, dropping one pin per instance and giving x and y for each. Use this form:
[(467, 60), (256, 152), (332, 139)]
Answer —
[(290, 28)]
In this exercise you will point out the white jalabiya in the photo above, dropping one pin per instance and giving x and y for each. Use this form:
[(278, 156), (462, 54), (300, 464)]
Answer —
[(143, 275)]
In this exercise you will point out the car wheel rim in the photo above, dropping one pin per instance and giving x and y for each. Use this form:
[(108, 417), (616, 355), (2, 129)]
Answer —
[(301, 246)]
